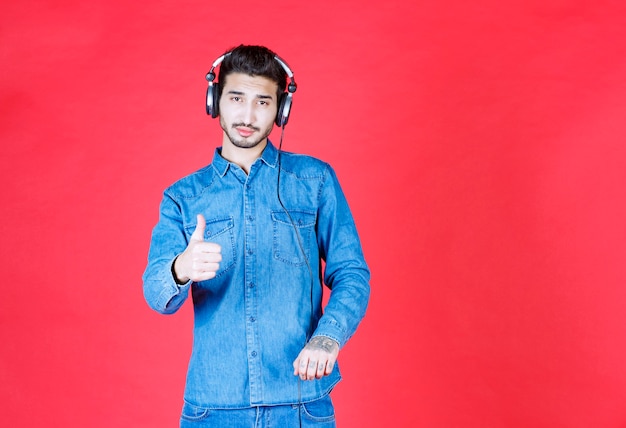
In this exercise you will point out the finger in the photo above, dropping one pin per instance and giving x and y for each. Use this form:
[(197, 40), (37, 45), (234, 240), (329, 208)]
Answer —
[(301, 365), (296, 365), (204, 276), (209, 248), (198, 233), (311, 371), (321, 369), (204, 253), (206, 264), (205, 267), (330, 365), (302, 368)]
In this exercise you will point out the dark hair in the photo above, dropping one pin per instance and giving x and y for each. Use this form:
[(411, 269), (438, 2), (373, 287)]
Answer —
[(253, 61)]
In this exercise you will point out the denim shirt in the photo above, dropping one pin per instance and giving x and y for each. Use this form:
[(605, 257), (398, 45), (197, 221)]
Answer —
[(252, 320)]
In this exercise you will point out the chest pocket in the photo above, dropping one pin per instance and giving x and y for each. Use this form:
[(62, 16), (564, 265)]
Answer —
[(220, 231), (287, 229)]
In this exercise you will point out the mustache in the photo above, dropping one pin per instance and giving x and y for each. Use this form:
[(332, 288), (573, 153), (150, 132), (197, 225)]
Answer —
[(245, 125)]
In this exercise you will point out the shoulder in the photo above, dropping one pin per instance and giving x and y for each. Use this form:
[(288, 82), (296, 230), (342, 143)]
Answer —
[(304, 166), (193, 184)]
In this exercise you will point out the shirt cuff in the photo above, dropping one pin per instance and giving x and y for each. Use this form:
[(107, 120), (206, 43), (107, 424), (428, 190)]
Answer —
[(331, 329)]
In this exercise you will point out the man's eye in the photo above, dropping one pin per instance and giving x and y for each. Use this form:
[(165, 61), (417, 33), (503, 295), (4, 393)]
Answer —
[(236, 99)]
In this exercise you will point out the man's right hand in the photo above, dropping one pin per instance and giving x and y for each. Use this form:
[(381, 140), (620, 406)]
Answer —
[(200, 260)]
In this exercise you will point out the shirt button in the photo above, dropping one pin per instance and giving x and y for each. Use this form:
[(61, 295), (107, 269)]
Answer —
[(253, 353), (250, 252), (252, 319), (250, 218), (251, 285)]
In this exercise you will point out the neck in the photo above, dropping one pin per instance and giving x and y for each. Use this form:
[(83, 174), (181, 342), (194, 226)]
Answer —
[(243, 157)]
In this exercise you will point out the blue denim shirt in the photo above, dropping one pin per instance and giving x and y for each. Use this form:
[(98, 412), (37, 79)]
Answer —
[(254, 317)]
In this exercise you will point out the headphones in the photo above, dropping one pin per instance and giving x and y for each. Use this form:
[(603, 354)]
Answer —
[(284, 101)]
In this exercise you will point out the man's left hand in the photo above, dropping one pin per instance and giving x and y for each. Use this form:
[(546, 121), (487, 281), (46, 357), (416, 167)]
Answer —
[(317, 359)]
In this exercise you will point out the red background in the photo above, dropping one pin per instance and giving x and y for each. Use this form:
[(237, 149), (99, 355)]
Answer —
[(480, 144)]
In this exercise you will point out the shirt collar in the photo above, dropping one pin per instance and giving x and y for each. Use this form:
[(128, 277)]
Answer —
[(269, 157)]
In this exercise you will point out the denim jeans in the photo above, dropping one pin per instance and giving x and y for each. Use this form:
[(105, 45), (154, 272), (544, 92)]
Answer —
[(319, 414)]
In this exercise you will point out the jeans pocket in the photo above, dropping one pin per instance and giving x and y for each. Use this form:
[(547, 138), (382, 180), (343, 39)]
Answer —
[(193, 413), (321, 410)]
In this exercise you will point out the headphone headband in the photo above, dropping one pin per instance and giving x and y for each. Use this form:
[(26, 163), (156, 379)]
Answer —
[(284, 102)]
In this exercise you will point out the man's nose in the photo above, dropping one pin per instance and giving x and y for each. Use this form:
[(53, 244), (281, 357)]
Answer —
[(249, 113)]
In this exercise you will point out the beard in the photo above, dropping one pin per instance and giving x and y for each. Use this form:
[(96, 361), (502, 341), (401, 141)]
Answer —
[(242, 142)]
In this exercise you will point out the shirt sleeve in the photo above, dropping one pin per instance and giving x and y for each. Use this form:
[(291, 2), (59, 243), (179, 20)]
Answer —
[(346, 272), (161, 291)]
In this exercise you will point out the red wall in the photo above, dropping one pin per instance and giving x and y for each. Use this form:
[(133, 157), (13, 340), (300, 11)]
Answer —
[(481, 145)]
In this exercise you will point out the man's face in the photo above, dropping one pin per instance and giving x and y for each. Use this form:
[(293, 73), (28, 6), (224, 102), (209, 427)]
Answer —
[(247, 107)]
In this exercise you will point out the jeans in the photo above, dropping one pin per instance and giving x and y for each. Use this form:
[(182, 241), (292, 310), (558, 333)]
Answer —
[(319, 414)]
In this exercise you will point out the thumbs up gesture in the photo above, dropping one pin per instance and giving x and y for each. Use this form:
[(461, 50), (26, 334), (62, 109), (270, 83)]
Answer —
[(200, 260)]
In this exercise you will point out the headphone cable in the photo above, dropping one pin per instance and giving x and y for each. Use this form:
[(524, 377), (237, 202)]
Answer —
[(306, 260)]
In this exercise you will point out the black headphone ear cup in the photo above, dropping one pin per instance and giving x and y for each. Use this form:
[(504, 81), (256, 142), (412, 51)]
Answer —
[(284, 108), (212, 101), (209, 101), (216, 101)]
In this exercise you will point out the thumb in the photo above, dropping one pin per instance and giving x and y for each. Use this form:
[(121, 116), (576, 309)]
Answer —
[(198, 234)]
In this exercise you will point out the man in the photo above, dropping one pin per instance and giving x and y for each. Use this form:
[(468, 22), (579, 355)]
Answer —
[(247, 235)]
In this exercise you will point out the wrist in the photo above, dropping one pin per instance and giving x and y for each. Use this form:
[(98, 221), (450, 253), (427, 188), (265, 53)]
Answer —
[(177, 278)]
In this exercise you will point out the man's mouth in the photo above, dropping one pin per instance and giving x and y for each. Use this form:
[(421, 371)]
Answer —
[(245, 130)]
